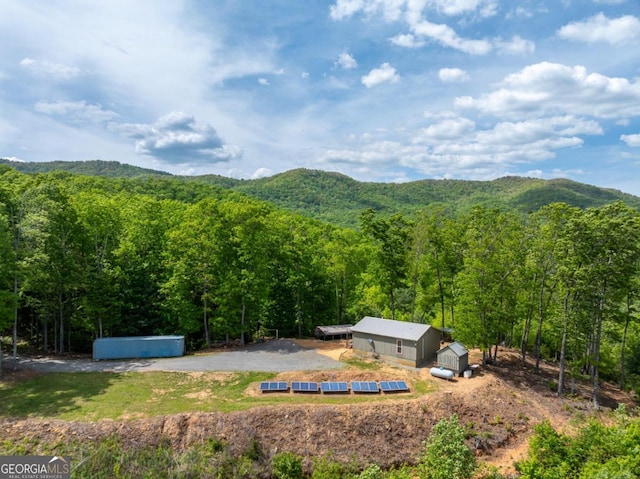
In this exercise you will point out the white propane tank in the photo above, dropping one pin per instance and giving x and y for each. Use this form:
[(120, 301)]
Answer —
[(442, 373)]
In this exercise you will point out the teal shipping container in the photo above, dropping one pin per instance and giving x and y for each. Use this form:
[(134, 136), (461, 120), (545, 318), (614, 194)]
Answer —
[(136, 347)]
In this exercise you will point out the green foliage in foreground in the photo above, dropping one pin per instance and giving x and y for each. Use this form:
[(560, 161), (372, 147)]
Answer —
[(446, 456), (596, 451)]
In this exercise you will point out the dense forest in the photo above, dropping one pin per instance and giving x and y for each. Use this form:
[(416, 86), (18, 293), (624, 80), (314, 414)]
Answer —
[(84, 257), (339, 200)]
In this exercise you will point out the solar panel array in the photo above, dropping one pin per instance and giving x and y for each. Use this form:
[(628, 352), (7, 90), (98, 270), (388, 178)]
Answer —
[(334, 386), (304, 387), (364, 386), (393, 386), (273, 386)]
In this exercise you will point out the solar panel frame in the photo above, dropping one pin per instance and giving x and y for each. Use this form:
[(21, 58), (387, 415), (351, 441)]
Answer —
[(393, 386), (273, 386), (365, 387), (334, 387), (305, 387)]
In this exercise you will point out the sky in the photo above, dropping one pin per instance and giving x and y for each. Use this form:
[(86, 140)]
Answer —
[(379, 90)]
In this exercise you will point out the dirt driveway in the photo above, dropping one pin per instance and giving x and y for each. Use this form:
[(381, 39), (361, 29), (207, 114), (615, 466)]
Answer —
[(279, 355)]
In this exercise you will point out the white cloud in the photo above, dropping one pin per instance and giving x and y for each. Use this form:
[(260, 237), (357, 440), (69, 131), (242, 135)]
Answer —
[(631, 140), (391, 9), (516, 46), (75, 111), (552, 88), (407, 41), (486, 8), (447, 36), (453, 75), (452, 128), (412, 11), (261, 173), (55, 70), (346, 61), (345, 8), (599, 28), (456, 147), (176, 139), (263, 81), (386, 73)]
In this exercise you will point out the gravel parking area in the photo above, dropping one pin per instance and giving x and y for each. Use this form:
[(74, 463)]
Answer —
[(272, 356)]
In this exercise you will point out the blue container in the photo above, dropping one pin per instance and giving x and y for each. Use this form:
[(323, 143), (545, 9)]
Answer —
[(136, 347)]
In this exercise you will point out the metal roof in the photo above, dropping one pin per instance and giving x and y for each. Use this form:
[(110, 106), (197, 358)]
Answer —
[(458, 349), (334, 329), (391, 328)]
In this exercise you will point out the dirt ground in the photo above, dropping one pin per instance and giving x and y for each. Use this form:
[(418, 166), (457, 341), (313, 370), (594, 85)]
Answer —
[(498, 406)]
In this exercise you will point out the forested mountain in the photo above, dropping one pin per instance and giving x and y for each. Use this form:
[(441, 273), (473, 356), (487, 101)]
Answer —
[(338, 199), (111, 169), (86, 256)]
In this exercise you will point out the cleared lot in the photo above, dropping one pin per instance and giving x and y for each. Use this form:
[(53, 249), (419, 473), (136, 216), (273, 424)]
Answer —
[(272, 356)]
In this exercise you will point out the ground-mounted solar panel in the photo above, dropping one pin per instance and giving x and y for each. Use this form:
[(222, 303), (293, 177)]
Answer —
[(334, 387), (393, 386), (273, 386), (304, 387), (364, 387)]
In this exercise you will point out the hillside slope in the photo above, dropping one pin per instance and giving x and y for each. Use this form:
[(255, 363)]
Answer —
[(498, 407), (338, 199)]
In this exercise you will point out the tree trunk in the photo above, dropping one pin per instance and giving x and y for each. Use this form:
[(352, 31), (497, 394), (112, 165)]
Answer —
[(596, 354), (624, 341), (61, 335), (244, 308), (563, 349), (15, 323), (205, 321)]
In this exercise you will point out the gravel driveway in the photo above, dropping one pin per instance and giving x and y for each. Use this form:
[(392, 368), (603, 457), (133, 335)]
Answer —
[(273, 356)]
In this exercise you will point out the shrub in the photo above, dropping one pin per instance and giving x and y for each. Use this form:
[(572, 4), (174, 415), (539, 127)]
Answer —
[(445, 455), (286, 465)]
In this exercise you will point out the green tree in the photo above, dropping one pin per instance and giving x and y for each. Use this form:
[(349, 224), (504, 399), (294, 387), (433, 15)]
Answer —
[(445, 454), (488, 281), (392, 239), (440, 238), (99, 218), (193, 255)]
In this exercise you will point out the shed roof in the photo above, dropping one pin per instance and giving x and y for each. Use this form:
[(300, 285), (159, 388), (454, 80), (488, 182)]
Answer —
[(458, 349), (391, 328), (334, 329)]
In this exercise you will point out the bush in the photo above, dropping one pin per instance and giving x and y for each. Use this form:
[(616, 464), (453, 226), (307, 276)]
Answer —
[(445, 455), (286, 465)]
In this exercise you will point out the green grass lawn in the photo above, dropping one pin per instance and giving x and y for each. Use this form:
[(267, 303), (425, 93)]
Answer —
[(131, 395)]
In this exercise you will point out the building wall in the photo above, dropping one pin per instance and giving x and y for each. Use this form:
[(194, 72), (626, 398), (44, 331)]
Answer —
[(385, 348), (134, 347), (431, 345), (450, 360), (414, 353)]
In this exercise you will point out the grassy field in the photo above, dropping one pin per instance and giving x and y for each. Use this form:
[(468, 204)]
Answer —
[(131, 395)]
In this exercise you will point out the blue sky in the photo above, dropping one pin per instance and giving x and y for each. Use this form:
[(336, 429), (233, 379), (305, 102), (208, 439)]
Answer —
[(380, 90)]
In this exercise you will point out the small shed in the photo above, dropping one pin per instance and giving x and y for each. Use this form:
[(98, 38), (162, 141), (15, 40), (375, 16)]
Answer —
[(337, 331), (454, 356), (135, 347), (401, 342)]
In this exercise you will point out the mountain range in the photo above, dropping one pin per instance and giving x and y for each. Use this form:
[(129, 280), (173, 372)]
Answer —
[(339, 199)]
